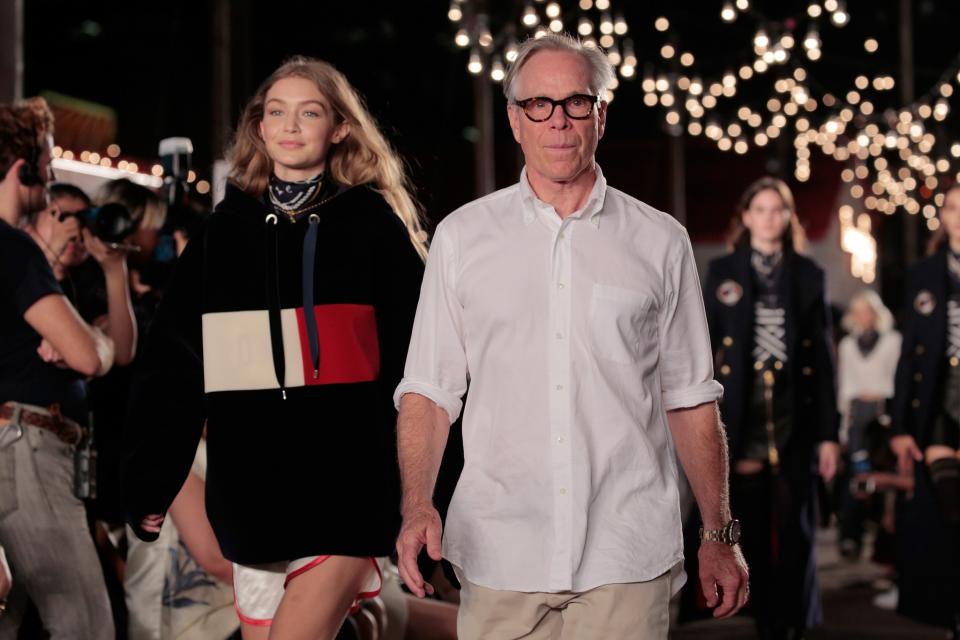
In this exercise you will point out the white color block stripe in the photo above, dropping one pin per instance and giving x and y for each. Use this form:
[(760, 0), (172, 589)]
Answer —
[(237, 355)]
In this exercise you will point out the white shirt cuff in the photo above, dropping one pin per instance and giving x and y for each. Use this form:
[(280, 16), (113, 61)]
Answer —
[(708, 391), (444, 399)]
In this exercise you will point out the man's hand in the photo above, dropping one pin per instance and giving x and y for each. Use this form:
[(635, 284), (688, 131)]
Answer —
[(829, 460), (421, 526), (152, 523), (907, 452), (724, 578)]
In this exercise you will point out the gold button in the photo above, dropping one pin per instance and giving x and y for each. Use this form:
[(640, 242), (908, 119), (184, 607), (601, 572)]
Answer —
[(758, 365), (725, 370), (915, 403), (807, 342), (918, 376), (727, 341), (778, 365), (919, 349), (807, 371), (954, 361)]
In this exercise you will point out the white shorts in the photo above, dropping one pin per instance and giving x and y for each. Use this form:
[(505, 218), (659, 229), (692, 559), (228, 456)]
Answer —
[(258, 589)]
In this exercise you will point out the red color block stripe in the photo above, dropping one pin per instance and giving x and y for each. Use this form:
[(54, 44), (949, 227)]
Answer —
[(349, 349)]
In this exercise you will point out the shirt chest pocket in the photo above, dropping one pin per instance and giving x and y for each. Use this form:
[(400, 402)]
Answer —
[(621, 322)]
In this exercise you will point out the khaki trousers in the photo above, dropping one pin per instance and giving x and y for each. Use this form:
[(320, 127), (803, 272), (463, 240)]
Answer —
[(638, 611), (43, 528)]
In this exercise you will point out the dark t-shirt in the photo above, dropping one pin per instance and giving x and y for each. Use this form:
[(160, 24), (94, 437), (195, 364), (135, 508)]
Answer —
[(25, 278)]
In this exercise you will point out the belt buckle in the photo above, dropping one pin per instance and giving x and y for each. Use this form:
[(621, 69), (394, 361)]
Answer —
[(8, 437)]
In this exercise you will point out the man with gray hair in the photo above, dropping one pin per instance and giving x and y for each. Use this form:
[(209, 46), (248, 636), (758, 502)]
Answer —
[(575, 312)]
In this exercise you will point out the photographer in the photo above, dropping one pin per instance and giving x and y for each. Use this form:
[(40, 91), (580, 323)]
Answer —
[(43, 526), (94, 276)]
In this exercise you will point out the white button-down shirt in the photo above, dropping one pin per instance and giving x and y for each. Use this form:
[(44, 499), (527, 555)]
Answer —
[(576, 336)]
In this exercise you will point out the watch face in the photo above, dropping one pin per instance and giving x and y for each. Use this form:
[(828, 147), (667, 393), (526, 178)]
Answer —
[(734, 528)]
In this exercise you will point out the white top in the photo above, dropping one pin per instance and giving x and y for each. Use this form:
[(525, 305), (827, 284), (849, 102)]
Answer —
[(870, 375), (577, 336)]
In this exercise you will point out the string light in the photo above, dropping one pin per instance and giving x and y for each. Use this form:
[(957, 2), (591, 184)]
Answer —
[(893, 159), (475, 64), (530, 17), (455, 13), (728, 13)]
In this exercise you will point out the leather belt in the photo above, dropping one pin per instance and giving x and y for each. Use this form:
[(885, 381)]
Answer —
[(50, 420)]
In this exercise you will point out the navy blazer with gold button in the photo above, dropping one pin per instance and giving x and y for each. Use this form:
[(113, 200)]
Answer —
[(920, 371), (729, 300)]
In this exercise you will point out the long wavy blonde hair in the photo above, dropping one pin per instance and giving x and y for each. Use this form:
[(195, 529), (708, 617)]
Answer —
[(364, 156)]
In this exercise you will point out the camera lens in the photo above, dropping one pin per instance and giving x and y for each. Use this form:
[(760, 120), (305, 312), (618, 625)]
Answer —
[(111, 222)]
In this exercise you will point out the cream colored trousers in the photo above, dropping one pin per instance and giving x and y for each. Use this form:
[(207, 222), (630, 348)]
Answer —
[(638, 611)]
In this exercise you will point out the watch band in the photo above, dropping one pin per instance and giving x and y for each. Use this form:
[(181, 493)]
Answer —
[(729, 534)]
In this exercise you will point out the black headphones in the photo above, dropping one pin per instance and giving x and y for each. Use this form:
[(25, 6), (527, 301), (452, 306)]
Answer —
[(30, 170)]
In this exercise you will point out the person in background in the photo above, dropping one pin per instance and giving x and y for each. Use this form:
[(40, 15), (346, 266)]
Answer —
[(926, 426), (770, 327), (181, 586), (46, 353), (93, 276), (866, 366)]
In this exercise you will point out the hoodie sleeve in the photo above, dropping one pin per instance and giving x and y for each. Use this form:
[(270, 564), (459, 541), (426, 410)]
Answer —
[(399, 276), (166, 413)]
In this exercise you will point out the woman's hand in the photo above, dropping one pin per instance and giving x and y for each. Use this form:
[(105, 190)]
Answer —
[(110, 260), (152, 523), (829, 460), (907, 452)]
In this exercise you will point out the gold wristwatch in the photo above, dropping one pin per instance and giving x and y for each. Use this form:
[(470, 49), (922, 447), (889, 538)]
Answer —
[(729, 534)]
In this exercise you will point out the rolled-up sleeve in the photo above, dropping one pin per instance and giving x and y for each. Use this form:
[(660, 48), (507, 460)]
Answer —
[(436, 364), (686, 362)]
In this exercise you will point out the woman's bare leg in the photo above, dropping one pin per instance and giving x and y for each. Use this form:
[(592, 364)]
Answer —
[(316, 602), (254, 631)]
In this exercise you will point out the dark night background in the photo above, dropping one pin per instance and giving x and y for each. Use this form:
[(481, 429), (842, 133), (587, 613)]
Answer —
[(151, 62)]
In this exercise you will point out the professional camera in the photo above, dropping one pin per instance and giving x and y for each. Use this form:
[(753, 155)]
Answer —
[(112, 222)]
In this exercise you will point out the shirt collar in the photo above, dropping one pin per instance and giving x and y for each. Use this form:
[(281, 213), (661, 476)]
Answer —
[(591, 209)]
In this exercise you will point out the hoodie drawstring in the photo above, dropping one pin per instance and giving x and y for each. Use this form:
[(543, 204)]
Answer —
[(273, 301), (309, 267)]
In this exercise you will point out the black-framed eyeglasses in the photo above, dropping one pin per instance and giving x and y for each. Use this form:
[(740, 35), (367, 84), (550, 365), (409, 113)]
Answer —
[(577, 107)]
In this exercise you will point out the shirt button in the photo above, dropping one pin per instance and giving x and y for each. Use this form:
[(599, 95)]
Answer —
[(559, 336), (559, 387), (563, 491), (559, 439), (559, 285)]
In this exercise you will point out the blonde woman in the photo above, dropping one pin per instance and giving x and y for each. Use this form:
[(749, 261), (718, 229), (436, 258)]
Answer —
[(866, 367), (286, 328)]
